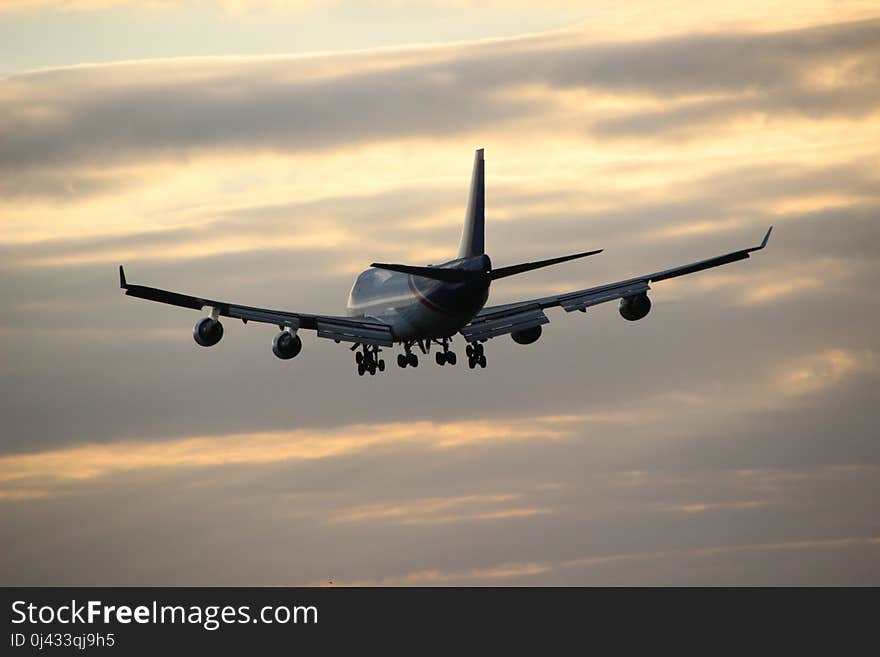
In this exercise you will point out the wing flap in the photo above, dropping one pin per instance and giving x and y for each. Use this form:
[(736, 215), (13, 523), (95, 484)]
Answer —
[(354, 331), (502, 323), (280, 319)]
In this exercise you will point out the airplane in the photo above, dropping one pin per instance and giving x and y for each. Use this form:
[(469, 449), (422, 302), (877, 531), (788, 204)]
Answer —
[(427, 306)]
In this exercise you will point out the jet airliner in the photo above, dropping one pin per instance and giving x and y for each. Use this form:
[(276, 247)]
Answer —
[(426, 306)]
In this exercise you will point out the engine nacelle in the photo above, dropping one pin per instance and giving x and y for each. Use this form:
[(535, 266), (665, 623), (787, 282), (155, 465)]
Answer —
[(635, 307), (286, 345), (527, 336), (207, 332)]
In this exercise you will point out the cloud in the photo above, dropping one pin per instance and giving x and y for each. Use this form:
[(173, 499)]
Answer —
[(167, 109), (97, 460), (528, 573), (433, 511), (231, 6), (727, 438)]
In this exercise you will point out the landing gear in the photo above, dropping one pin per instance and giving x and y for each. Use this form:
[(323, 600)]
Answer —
[(445, 356), (408, 358), (368, 360), (476, 355)]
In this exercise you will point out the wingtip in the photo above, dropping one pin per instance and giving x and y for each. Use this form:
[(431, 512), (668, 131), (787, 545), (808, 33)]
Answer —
[(766, 237), (122, 282)]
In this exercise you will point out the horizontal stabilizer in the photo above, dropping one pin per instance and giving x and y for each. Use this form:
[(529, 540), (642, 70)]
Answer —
[(503, 272), (437, 273)]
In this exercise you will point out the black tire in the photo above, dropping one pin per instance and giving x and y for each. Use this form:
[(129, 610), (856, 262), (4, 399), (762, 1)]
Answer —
[(441, 358), (361, 369), (469, 350), (381, 365), (401, 360), (482, 361), (359, 358), (412, 360), (451, 357), (472, 363), (372, 369)]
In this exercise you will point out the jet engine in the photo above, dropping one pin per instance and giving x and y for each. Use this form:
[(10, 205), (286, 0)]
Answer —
[(286, 345), (207, 332), (526, 336), (635, 307)]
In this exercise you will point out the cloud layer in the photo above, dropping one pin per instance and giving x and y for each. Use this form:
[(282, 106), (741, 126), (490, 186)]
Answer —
[(728, 438)]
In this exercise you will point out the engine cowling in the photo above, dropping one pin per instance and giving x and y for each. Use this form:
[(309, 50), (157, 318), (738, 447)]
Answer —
[(635, 307), (286, 345), (526, 336), (207, 332)]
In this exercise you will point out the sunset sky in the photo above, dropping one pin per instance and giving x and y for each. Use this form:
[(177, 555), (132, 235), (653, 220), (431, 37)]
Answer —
[(265, 152)]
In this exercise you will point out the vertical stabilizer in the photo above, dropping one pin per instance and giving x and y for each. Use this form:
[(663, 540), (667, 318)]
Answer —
[(473, 236)]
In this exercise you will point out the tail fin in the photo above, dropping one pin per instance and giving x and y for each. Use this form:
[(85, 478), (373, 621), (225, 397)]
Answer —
[(473, 240)]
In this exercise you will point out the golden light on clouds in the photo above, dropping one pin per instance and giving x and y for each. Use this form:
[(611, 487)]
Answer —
[(663, 132), (817, 372), (807, 375), (96, 460), (442, 510)]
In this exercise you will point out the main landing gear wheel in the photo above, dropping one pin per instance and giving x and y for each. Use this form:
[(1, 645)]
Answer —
[(368, 360), (401, 360), (475, 355), (412, 360), (445, 356)]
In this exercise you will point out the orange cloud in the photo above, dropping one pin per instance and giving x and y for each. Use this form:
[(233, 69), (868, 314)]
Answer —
[(85, 462), (440, 510)]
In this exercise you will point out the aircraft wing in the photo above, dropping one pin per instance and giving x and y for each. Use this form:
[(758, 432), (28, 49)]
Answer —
[(342, 329), (501, 320)]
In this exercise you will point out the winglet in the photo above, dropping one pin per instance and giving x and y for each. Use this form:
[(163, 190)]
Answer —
[(122, 282), (761, 245)]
